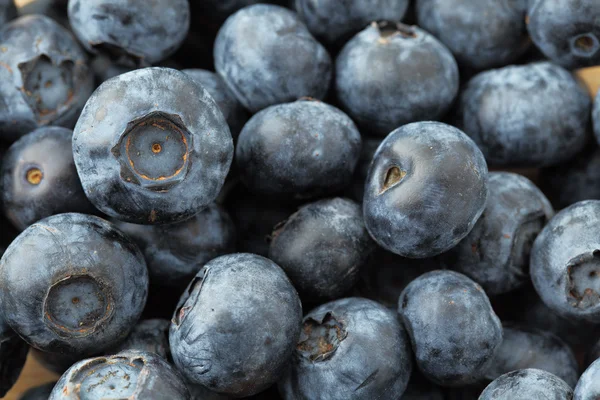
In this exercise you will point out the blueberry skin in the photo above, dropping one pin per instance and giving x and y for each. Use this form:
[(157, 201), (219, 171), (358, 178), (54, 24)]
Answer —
[(322, 247), (39, 178), (531, 115), (527, 384), (496, 252), (565, 262), (232, 110), (44, 76), (596, 117), (566, 31), (151, 335), (159, 181), (391, 75), (72, 283), (176, 252), (351, 348), (267, 56), (588, 387), (454, 331), (480, 34), (135, 33), (334, 21), (243, 303), (130, 374), (302, 149), (41, 392), (426, 188)]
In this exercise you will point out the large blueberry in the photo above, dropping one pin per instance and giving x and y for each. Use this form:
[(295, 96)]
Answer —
[(151, 146), (236, 325), (267, 56), (391, 74), (453, 329), (426, 188), (588, 387), (527, 384), (530, 115), (351, 348)]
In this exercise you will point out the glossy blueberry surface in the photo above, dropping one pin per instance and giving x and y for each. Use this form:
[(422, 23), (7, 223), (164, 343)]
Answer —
[(588, 387), (527, 384)]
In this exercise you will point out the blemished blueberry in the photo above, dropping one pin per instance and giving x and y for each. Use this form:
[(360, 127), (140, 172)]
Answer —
[(302, 149), (391, 74), (54, 362), (8, 11), (426, 188), (245, 304), (135, 33), (453, 329), (151, 335), (566, 31), (565, 262), (496, 252), (322, 247), (527, 384), (41, 392), (596, 116), (151, 146), (72, 283), (44, 76), (175, 253), (334, 21), (588, 387), (129, 374), (267, 56), (352, 348), (39, 178), (234, 113), (531, 115), (481, 34)]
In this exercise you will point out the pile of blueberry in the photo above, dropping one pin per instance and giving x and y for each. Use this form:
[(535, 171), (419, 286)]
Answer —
[(315, 220)]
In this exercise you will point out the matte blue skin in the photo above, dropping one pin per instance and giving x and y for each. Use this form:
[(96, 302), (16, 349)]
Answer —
[(481, 34), (433, 207), (298, 150), (372, 361), (588, 387), (564, 262), (267, 56), (532, 115), (386, 82), (41, 392), (596, 117), (527, 384), (454, 331), (555, 26)]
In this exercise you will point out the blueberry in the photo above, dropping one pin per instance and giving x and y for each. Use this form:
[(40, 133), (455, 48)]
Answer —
[(134, 33), (351, 348), (321, 248), (588, 387), (454, 331), (496, 252), (176, 252), (8, 11), (302, 149), (130, 374), (267, 56), (480, 34), (596, 116), (151, 146), (39, 178), (531, 115), (73, 284), (391, 74), (44, 76), (565, 262), (527, 384), (57, 363), (236, 325), (151, 335), (334, 21), (426, 188), (566, 31), (41, 392)]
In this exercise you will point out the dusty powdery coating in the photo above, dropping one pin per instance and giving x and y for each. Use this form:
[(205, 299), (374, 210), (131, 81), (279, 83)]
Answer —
[(72, 283), (452, 327), (530, 115), (267, 56), (389, 75), (130, 374), (426, 188), (236, 325), (596, 116), (351, 348), (135, 32), (588, 387), (151, 335), (151, 147), (44, 77), (527, 384)]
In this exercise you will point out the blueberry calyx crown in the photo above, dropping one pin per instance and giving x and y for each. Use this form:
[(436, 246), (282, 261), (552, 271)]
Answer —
[(583, 280), (320, 339)]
